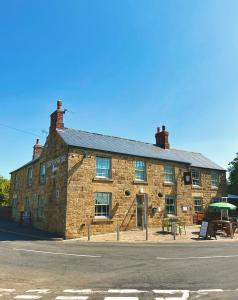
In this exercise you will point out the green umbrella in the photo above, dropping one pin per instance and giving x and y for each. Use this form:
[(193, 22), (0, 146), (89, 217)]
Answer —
[(223, 205)]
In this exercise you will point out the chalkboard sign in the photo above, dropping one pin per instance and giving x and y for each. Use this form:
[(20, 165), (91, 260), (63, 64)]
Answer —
[(203, 229)]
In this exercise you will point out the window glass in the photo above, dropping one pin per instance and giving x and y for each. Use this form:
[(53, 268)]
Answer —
[(103, 167), (198, 204), (27, 204), (42, 173), (214, 179), (170, 205), (140, 173), (102, 204), (195, 177), (169, 174), (16, 183), (29, 177), (40, 207)]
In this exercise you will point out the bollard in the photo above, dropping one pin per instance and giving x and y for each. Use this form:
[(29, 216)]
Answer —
[(146, 233), (174, 229), (89, 232), (118, 233)]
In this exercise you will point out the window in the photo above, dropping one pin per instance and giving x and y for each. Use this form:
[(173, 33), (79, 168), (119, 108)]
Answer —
[(42, 173), (29, 177), (140, 173), (214, 180), (16, 183), (27, 206), (103, 205), (197, 204), (169, 174), (103, 167), (40, 207), (195, 177), (170, 205)]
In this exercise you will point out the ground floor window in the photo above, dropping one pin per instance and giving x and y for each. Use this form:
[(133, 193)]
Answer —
[(40, 207), (170, 205), (198, 204), (27, 206), (103, 204)]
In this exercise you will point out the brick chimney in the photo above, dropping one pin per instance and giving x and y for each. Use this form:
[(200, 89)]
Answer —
[(57, 118), (37, 149), (162, 138)]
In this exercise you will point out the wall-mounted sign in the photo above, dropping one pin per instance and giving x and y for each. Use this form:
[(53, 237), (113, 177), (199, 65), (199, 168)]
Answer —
[(187, 177), (54, 163)]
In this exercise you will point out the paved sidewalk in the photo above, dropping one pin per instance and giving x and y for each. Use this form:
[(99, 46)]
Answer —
[(156, 235), (29, 232)]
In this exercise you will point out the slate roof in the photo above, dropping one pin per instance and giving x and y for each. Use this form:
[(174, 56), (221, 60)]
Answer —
[(87, 140)]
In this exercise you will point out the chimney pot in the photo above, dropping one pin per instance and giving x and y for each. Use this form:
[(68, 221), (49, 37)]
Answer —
[(59, 104), (161, 137)]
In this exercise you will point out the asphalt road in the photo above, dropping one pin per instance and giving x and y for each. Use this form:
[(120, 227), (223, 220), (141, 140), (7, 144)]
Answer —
[(82, 270)]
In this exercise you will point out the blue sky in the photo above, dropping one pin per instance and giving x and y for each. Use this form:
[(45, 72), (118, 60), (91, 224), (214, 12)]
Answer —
[(123, 67)]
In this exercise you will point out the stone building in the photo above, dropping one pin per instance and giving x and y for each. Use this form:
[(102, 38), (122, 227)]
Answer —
[(79, 178)]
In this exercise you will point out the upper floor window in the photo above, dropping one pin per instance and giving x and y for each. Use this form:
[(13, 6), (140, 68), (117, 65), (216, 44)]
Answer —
[(29, 177), (198, 204), (103, 205), (42, 173), (169, 174), (214, 180), (196, 177), (16, 182), (170, 205), (140, 171), (103, 167)]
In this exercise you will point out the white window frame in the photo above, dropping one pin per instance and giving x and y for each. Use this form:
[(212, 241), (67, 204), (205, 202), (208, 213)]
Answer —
[(40, 207), (196, 180), (42, 175), (214, 181), (108, 170), (195, 205), (169, 174), (108, 206), (173, 198), (29, 177), (139, 170)]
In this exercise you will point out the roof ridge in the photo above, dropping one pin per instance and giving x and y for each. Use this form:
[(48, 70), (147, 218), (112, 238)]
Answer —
[(112, 136)]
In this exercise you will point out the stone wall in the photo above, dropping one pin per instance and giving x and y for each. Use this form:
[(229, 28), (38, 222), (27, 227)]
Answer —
[(82, 185), (54, 191)]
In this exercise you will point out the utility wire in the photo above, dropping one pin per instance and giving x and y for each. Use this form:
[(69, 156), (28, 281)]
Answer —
[(20, 130)]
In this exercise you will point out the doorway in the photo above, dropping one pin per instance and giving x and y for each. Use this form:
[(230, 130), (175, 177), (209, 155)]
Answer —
[(140, 211)]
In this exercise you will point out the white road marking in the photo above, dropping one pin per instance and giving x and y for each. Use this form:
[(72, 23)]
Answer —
[(57, 253), (38, 291), (196, 257), (7, 290), (87, 291), (185, 294), (27, 297), (71, 298), (121, 298), (210, 291), (126, 291)]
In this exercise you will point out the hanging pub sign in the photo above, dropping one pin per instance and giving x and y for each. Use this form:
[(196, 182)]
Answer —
[(187, 177)]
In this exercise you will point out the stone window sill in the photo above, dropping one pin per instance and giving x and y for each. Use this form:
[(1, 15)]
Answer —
[(214, 188), (102, 220), (196, 187), (101, 179), (140, 182), (168, 183)]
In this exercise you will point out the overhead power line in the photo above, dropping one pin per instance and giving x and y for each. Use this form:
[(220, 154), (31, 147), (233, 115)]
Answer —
[(21, 130)]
